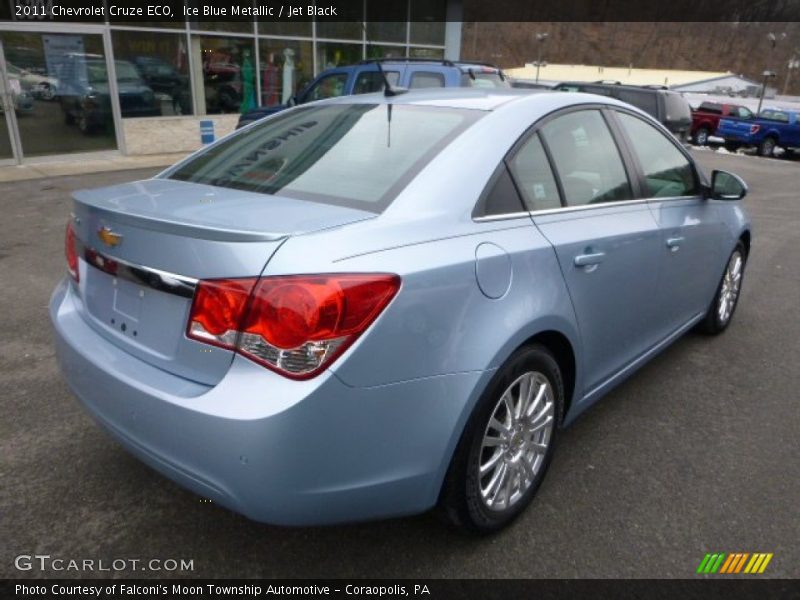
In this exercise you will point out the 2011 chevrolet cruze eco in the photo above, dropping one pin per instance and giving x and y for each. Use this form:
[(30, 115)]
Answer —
[(366, 307)]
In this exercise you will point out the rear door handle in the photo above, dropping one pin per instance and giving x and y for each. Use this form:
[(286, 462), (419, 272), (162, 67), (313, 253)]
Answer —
[(674, 243), (584, 260)]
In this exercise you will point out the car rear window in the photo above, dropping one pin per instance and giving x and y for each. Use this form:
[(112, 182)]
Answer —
[(677, 108), (356, 155), (484, 79)]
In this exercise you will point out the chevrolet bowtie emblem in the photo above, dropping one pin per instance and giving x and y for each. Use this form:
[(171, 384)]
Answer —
[(108, 237)]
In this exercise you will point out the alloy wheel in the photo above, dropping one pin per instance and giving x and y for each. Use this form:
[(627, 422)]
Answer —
[(516, 441), (731, 284)]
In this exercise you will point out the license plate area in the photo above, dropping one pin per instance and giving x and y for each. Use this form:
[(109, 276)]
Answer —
[(136, 314)]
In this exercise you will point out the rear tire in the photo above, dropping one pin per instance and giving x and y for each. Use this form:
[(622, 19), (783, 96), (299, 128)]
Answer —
[(767, 147), (506, 447), (720, 313)]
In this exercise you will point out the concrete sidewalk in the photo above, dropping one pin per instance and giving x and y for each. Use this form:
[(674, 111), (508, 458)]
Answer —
[(78, 166)]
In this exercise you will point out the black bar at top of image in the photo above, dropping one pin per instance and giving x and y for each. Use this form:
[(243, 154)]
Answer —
[(132, 12)]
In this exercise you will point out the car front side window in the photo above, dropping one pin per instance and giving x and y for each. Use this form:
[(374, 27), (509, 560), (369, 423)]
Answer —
[(586, 159), (667, 172), (329, 86)]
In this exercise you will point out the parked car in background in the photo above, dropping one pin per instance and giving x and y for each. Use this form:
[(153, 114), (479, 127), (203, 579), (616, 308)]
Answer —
[(84, 92), (19, 95), (773, 127), (530, 84), (364, 307), (705, 119), (410, 73), (40, 86), (163, 78), (667, 107)]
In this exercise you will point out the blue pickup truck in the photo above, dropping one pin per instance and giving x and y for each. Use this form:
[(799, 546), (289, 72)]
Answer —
[(772, 128), (410, 73)]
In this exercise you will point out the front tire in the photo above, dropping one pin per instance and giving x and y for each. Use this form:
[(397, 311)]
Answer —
[(726, 299), (507, 445), (701, 137)]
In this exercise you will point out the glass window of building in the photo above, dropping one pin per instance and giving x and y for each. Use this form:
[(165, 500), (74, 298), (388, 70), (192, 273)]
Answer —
[(285, 28), (58, 84), (428, 19), (340, 30), (387, 32), (333, 54), (374, 51), (152, 65), (225, 73), (437, 53), (386, 21), (286, 69)]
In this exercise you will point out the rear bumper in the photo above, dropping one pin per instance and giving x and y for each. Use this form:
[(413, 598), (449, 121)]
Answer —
[(275, 450)]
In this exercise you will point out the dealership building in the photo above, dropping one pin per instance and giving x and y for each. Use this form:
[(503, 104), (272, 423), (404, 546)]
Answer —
[(133, 88)]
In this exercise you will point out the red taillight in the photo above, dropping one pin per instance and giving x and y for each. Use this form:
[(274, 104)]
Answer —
[(71, 252), (754, 129), (296, 325)]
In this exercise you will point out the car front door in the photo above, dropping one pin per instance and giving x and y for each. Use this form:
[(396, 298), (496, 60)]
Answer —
[(691, 228), (607, 242)]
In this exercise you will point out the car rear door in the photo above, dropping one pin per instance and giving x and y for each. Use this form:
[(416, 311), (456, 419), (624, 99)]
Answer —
[(606, 240), (691, 229)]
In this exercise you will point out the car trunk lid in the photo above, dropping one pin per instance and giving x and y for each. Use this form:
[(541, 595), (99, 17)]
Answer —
[(144, 245)]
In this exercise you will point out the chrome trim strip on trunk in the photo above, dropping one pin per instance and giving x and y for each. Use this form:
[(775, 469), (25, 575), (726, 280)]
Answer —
[(163, 281)]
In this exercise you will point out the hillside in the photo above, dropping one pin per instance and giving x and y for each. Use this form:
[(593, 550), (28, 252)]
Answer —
[(738, 47)]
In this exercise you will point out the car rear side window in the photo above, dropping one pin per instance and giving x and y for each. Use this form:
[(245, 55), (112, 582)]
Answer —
[(425, 79), (646, 101), (532, 173), (357, 155), (368, 82), (667, 171), (586, 159)]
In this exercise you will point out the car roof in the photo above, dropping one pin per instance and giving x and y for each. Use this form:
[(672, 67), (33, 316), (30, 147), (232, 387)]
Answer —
[(477, 98)]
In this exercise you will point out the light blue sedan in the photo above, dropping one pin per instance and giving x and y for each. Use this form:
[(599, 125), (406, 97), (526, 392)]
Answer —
[(371, 306)]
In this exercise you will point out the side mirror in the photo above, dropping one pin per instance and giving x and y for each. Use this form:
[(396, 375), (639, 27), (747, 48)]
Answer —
[(727, 186), (292, 101)]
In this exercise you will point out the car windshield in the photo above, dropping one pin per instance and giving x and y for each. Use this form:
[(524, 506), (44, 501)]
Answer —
[(357, 155)]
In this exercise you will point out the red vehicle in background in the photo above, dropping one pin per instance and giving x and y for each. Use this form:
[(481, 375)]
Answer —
[(705, 119)]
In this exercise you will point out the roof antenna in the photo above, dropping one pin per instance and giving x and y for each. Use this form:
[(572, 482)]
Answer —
[(388, 89)]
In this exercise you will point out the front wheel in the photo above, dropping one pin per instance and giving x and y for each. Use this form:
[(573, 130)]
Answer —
[(507, 445), (701, 137), (721, 311)]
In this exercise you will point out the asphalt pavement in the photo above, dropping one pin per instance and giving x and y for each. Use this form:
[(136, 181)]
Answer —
[(697, 453)]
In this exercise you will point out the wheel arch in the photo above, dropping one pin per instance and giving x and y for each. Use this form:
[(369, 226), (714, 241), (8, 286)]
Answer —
[(562, 350), (745, 238)]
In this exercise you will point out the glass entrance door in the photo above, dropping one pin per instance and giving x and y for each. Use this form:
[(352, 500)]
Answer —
[(7, 145), (58, 84)]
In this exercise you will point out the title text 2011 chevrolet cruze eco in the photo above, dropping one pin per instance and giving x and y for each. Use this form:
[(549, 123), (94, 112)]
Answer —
[(371, 306)]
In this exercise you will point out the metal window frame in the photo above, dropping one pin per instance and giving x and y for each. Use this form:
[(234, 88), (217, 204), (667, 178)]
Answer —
[(107, 28)]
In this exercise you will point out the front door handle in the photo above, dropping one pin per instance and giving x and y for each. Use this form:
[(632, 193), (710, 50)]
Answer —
[(674, 243), (584, 260)]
